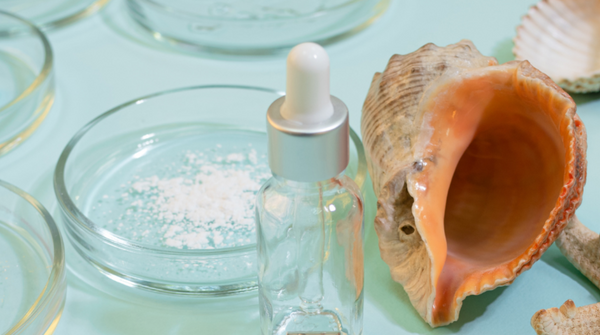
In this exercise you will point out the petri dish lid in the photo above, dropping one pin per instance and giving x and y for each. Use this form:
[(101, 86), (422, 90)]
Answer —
[(50, 14)]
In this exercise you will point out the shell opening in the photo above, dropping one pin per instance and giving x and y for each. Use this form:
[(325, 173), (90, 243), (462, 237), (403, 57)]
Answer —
[(492, 180), (505, 185)]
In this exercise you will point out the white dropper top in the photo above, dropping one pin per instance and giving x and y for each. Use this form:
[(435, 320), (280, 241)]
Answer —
[(308, 128), (307, 97)]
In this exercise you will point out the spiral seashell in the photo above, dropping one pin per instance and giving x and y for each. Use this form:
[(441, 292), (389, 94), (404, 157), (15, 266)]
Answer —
[(477, 168)]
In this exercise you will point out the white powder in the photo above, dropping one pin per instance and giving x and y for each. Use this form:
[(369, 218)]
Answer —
[(253, 157), (209, 204), (235, 158)]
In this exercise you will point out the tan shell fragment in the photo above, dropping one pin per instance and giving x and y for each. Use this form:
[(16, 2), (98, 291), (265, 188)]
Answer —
[(477, 167), (568, 320), (581, 246)]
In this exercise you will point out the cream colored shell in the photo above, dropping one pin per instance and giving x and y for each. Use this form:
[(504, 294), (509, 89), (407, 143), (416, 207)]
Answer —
[(568, 320), (562, 39)]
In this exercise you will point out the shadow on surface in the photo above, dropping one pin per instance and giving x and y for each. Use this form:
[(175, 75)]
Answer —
[(582, 99), (557, 260), (474, 307)]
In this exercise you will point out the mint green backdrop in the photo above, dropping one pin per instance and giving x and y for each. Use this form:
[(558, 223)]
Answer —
[(102, 61)]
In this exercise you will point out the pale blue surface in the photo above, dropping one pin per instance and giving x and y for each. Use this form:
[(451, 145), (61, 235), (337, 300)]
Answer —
[(101, 62)]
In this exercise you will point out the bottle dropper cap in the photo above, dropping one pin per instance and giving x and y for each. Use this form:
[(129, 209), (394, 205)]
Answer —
[(308, 128)]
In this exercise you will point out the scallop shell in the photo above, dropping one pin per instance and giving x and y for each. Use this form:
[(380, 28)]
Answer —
[(477, 168), (560, 37)]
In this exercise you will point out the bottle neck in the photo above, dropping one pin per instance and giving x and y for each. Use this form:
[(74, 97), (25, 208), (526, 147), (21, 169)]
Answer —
[(308, 186)]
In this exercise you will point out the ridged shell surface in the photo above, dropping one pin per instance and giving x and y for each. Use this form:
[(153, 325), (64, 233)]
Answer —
[(477, 168), (562, 39)]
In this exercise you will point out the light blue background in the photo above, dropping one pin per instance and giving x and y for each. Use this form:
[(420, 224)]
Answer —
[(103, 61)]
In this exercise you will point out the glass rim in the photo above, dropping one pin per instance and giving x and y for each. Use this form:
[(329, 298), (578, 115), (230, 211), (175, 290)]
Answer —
[(180, 12), (46, 70), (378, 9), (69, 208), (58, 261), (87, 11)]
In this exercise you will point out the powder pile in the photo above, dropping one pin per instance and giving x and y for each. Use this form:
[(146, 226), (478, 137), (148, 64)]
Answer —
[(206, 203)]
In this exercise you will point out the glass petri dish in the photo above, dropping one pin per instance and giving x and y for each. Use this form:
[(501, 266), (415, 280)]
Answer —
[(50, 14), (26, 80), (158, 193), (32, 280), (252, 27)]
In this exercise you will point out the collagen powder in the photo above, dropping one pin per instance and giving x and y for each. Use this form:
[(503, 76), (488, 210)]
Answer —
[(203, 200)]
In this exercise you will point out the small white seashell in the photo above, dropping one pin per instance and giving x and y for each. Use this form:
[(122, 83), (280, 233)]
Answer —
[(562, 39)]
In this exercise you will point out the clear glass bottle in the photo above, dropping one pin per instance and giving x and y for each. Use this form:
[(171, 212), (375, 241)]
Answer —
[(309, 216), (310, 251)]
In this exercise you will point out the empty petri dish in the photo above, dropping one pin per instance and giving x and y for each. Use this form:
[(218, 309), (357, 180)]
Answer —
[(50, 14), (32, 276), (253, 27), (26, 80), (158, 193)]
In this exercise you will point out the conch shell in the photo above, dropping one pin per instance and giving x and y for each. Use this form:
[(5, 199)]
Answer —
[(581, 246), (477, 168)]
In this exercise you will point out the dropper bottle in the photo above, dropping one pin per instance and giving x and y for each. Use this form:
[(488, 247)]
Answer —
[(309, 216)]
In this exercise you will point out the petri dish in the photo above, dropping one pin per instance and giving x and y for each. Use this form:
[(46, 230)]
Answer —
[(32, 275), (50, 14), (26, 80), (253, 27), (158, 193)]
